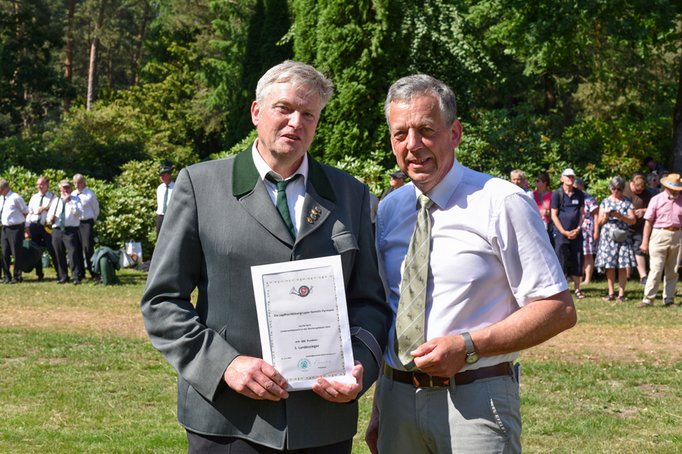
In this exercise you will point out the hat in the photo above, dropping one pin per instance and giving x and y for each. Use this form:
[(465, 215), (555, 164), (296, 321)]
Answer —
[(399, 175), (165, 169), (672, 182), (568, 173)]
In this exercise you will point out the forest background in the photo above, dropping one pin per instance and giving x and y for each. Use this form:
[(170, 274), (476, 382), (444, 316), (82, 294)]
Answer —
[(113, 88)]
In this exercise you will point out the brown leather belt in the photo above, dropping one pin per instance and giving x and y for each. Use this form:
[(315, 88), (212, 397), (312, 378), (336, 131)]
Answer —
[(671, 229), (422, 380)]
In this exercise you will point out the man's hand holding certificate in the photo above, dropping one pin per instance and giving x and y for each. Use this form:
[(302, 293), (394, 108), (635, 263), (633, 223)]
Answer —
[(304, 328)]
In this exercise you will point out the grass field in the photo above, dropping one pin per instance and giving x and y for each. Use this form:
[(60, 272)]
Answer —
[(79, 376)]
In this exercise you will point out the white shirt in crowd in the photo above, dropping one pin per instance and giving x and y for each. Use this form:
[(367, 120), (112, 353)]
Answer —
[(89, 202), (160, 194), (490, 254), (73, 212), (13, 209), (38, 200)]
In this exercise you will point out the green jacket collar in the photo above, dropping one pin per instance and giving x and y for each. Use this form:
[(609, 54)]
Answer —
[(245, 176)]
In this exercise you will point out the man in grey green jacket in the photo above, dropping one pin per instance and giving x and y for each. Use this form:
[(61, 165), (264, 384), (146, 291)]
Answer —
[(225, 221)]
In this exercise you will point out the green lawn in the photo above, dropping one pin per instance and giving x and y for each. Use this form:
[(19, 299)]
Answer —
[(79, 377)]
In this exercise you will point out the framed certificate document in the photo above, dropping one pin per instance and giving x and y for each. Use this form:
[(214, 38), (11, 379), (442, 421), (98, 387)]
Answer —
[(303, 320)]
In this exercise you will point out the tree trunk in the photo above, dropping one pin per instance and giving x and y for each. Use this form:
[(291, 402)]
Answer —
[(677, 125), (68, 50), (137, 55), (92, 67), (550, 96)]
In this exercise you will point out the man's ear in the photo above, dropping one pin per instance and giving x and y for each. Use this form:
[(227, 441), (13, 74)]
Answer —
[(456, 130), (255, 113)]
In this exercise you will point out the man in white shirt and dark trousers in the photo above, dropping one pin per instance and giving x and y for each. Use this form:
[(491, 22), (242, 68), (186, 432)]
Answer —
[(86, 230), (163, 194), (37, 220), (13, 212), (65, 214), (471, 278)]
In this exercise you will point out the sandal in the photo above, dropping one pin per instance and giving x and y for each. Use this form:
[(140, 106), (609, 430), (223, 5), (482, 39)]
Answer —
[(609, 297), (579, 294)]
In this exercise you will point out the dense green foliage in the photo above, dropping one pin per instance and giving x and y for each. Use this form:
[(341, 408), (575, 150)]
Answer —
[(590, 84)]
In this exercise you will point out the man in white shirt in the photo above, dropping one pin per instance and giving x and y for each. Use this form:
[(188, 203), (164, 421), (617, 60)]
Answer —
[(86, 230), (65, 216), (163, 195), (12, 217), (492, 287), (36, 220)]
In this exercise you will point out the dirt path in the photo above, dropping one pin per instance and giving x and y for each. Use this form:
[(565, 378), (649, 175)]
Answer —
[(583, 343)]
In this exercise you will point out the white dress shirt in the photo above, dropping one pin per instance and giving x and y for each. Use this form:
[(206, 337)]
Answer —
[(89, 202), (160, 194), (73, 212), (38, 200), (490, 254), (13, 208), (295, 190)]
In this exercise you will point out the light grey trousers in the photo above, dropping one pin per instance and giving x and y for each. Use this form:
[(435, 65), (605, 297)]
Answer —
[(481, 417)]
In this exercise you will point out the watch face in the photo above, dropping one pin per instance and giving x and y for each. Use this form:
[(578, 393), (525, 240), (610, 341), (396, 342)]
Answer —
[(472, 358)]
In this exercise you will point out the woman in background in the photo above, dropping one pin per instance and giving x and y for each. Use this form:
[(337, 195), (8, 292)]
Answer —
[(590, 233), (615, 250), (543, 199)]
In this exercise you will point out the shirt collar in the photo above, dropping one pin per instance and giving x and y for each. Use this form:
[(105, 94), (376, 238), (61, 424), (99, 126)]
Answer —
[(263, 169), (443, 191)]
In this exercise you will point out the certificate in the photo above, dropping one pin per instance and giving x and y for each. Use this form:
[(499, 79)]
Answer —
[(303, 320)]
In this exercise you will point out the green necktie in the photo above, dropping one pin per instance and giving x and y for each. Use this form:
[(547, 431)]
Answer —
[(165, 200), (282, 205), (62, 217), (409, 324)]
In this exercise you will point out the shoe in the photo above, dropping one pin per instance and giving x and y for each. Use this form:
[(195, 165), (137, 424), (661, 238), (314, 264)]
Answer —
[(642, 281), (644, 304), (61, 281), (76, 281), (579, 294), (41, 278), (621, 298), (609, 297), (669, 303)]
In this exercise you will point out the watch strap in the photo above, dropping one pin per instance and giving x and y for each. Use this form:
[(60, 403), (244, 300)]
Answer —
[(468, 343)]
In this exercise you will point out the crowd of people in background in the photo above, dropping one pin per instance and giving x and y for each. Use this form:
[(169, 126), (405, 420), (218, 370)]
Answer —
[(640, 217), (61, 224), (613, 237)]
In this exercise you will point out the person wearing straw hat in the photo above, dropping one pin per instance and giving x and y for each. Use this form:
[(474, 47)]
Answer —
[(662, 240)]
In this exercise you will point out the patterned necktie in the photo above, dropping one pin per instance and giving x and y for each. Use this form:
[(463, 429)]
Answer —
[(62, 217), (282, 205), (165, 200), (409, 324), (40, 205)]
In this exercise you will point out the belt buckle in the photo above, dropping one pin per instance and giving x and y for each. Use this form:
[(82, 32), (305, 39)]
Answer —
[(419, 382)]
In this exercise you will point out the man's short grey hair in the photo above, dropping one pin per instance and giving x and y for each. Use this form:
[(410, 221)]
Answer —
[(518, 172), (4, 184), (422, 84), (299, 75), (79, 177), (617, 182), (65, 184)]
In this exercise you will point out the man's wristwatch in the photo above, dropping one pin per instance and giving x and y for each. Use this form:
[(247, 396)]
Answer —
[(472, 356)]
